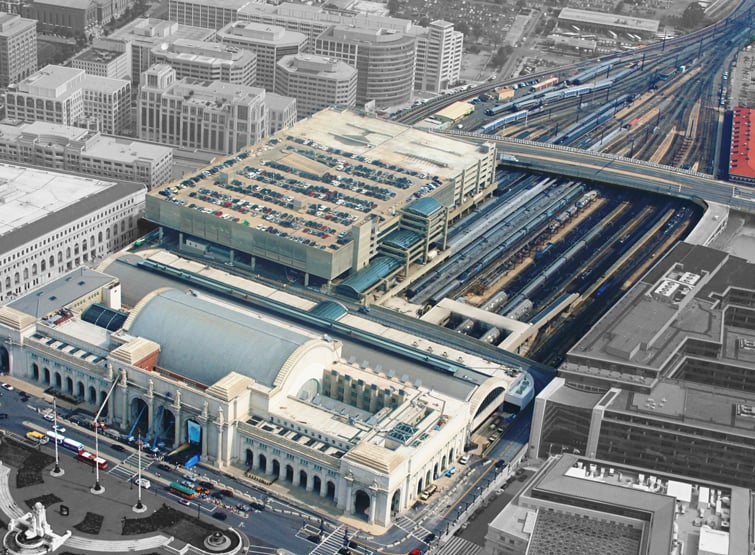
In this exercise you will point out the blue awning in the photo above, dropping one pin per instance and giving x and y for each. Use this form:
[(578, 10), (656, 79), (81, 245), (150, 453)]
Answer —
[(330, 310), (402, 239), (426, 206), (356, 284)]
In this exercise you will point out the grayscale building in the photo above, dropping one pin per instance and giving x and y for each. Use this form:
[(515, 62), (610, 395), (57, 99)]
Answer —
[(18, 48), (317, 82), (145, 34), (208, 61), (53, 223), (79, 150), (269, 42)]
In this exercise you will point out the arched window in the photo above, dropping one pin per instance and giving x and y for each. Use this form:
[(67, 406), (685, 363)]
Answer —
[(34, 269), (99, 237), (17, 278), (52, 262), (60, 257), (68, 252), (26, 274), (7, 282), (107, 233), (42, 265)]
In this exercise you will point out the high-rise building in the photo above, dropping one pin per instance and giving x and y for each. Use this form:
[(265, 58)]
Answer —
[(191, 113), (439, 46), (54, 222), (316, 82), (68, 96), (269, 42), (439, 51), (210, 61), (145, 34), (18, 48), (78, 150), (384, 60), (281, 111)]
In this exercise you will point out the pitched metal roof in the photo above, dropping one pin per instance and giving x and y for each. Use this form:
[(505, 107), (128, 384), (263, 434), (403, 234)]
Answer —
[(204, 340), (330, 310), (358, 283), (402, 238), (424, 206)]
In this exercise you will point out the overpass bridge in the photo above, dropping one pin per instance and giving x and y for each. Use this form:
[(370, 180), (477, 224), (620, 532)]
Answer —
[(616, 170)]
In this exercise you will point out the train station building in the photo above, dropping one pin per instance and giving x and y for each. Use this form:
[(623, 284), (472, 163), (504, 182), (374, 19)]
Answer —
[(340, 195), (363, 417)]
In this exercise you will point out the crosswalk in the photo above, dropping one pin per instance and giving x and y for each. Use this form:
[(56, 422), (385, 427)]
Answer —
[(128, 468), (412, 528), (331, 544), (458, 546)]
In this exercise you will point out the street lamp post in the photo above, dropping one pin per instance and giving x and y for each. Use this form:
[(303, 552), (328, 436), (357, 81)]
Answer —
[(97, 487), (57, 471), (139, 506)]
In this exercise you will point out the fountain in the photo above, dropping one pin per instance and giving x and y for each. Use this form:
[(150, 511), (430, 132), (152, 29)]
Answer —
[(31, 534)]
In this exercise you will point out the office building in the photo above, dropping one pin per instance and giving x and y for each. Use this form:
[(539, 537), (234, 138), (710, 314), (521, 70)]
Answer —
[(51, 94), (384, 61), (375, 212), (106, 104), (439, 52), (18, 48), (439, 47), (742, 152), (190, 113), (269, 42), (317, 82), (74, 17), (107, 57), (68, 96), (360, 438), (209, 61), (82, 151), (206, 13), (53, 223), (577, 504), (145, 34), (665, 378)]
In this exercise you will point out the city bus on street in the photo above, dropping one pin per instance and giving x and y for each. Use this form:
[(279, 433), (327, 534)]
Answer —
[(72, 445), (183, 491), (89, 458)]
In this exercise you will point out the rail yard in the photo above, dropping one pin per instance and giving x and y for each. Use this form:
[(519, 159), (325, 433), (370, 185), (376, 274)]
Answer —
[(552, 253)]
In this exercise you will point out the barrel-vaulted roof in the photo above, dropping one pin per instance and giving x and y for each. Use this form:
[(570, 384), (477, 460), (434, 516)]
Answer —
[(205, 341)]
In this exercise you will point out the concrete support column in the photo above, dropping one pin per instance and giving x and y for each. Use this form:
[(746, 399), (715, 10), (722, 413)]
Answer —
[(346, 502), (323, 487), (306, 279), (373, 503), (180, 239), (253, 263), (122, 388)]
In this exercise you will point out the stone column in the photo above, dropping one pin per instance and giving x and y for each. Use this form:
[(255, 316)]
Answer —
[(346, 500), (373, 502), (310, 482), (220, 423), (323, 487)]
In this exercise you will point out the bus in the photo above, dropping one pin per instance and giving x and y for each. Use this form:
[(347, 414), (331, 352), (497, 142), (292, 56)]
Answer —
[(89, 458), (54, 436), (37, 437), (72, 445), (183, 491)]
